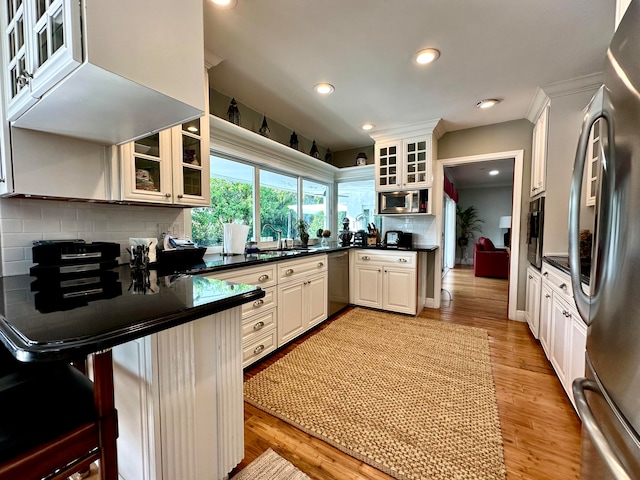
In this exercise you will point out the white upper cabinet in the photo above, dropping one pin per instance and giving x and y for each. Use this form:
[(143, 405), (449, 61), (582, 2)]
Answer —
[(106, 72), (539, 152), (404, 156), (170, 167)]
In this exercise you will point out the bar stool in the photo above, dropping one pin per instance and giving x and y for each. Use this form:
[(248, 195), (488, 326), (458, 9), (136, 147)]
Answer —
[(53, 421)]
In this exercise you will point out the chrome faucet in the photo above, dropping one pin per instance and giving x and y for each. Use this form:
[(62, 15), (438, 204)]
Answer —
[(278, 232)]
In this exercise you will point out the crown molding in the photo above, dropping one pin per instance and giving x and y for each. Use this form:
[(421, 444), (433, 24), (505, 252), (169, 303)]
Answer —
[(238, 142), (573, 86), (433, 127), (350, 174)]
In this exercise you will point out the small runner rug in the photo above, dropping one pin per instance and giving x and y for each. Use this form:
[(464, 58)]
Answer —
[(270, 466), (410, 396)]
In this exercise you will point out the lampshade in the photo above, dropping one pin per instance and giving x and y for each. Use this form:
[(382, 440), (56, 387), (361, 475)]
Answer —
[(505, 222)]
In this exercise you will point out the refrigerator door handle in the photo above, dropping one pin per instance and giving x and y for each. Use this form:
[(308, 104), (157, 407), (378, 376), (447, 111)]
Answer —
[(593, 113), (591, 425)]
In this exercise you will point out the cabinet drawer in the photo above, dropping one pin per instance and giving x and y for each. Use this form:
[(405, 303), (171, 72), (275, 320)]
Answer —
[(296, 269), (559, 281), (269, 300), (258, 348), (257, 325), (395, 258), (259, 276)]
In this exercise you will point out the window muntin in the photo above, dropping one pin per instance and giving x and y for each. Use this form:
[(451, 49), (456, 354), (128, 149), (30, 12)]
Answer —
[(256, 196)]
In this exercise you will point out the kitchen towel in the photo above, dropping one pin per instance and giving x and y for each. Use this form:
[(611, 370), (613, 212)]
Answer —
[(234, 237)]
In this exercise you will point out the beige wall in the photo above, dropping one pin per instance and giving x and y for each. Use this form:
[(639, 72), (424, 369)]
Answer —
[(252, 120), (565, 119), (347, 158), (500, 137)]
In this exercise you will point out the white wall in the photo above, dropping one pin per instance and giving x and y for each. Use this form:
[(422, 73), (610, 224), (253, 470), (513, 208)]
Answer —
[(423, 227), (23, 220)]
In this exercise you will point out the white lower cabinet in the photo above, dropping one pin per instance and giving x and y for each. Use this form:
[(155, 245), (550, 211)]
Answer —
[(545, 317), (179, 399), (302, 296), (296, 299), (385, 280), (563, 333), (532, 312), (259, 318), (560, 323)]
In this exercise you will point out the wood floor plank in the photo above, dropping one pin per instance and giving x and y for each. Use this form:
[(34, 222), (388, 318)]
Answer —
[(541, 431)]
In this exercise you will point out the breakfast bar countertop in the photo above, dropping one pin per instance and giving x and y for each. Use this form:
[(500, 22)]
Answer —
[(38, 328)]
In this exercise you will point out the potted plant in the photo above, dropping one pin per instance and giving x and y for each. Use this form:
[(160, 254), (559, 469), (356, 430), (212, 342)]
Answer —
[(303, 232), (468, 222)]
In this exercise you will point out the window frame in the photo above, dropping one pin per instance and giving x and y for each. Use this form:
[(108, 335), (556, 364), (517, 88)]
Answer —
[(329, 182)]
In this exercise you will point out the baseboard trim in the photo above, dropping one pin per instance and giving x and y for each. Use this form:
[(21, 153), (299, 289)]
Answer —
[(520, 316)]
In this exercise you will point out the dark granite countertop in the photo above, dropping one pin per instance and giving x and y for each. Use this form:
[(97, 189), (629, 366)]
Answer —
[(217, 262), (37, 326), (561, 262)]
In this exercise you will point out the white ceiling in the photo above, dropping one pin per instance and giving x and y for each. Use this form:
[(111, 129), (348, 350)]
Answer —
[(476, 175), (274, 51)]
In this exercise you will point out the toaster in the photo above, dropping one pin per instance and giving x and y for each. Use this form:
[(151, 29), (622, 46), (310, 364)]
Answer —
[(398, 239)]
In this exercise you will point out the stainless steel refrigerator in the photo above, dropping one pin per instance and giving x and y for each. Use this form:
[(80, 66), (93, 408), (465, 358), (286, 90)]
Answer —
[(608, 398)]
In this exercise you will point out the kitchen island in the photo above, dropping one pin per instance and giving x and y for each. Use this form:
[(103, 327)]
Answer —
[(188, 398)]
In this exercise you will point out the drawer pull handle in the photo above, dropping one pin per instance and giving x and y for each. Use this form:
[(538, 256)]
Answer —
[(257, 303), (563, 286), (263, 278), (546, 274), (289, 271), (402, 260), (547, 295), (320, 264), (365, 257), (258, 325), (258, 349), (530, 277)]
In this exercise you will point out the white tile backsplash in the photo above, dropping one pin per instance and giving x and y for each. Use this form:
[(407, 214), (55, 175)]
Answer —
[(23, 220), (423, 227)]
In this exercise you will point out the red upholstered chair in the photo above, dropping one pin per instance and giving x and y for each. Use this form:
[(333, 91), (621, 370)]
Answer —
[(489, 262)]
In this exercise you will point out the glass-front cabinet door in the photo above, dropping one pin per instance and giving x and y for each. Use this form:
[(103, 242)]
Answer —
[(593, 163), (43, 44), (169, 167), (16, 39), (191, 163), (146, 169), (388, 167), (417, 162)]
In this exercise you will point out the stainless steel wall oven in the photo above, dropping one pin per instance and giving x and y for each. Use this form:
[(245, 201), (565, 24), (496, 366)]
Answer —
[(535, 227)]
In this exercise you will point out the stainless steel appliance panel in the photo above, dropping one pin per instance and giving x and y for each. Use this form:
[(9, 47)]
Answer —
[(338, 272), (612, 310), (535, 227), (610, 447)]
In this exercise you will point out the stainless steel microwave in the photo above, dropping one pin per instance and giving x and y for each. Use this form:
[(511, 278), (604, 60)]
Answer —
[(408, 201)]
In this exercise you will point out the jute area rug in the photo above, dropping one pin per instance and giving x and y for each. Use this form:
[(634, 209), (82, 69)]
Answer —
[(410, 396), (270, 466)]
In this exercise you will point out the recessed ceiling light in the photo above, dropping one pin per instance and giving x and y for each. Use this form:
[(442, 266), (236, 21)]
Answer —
[(368, 126), (427, 55), (487, 103), (224, 3), (324, 88), (493, 173), (193, 129)]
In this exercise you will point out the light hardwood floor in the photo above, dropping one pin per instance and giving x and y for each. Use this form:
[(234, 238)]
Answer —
[(541, 431)]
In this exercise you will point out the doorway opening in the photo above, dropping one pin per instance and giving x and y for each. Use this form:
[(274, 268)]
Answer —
[(443, 219)]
